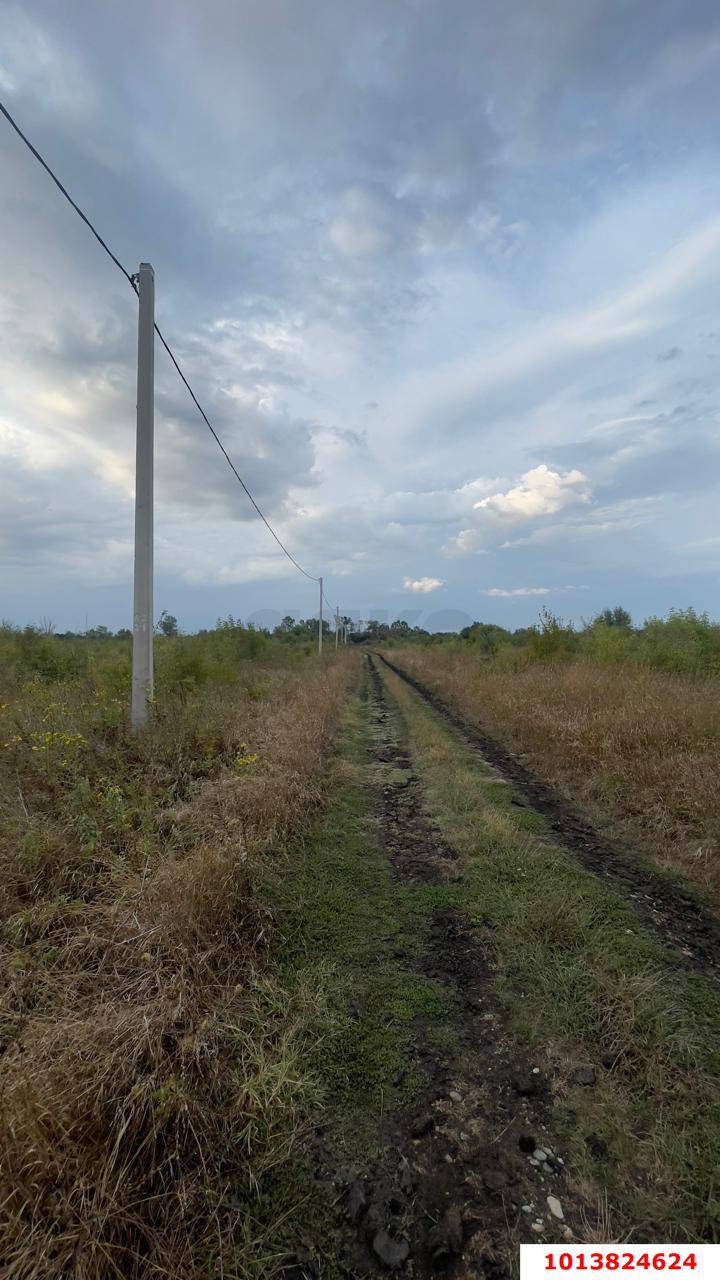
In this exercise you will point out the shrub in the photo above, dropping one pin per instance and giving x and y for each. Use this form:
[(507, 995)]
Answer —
[(553, 638)]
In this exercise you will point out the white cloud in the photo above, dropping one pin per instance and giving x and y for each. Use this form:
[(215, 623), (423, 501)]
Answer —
[(467, 542), (433, 506), (638, 306), (616, 518), (422, 584), (518, 591), (369, 222), (541, 492)]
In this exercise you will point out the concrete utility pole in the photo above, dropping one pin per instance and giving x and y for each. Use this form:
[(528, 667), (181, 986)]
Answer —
[(142, 651), (320, 620), (337, 626)]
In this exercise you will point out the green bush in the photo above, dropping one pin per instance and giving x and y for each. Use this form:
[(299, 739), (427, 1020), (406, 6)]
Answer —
[(608, 643), (48, 656), (179, 665), (685, 641), (553, 638)]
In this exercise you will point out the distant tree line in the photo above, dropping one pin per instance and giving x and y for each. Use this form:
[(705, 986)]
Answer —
[(684, 640)]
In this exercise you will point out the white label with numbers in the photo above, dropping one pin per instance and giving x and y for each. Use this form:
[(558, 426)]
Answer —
[(583, 1261)]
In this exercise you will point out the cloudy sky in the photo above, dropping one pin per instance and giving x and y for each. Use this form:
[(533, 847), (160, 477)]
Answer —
[(445, 274)]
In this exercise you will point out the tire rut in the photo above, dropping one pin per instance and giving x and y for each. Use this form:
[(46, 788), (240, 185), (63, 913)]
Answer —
[(469, 1171), (671, 913)]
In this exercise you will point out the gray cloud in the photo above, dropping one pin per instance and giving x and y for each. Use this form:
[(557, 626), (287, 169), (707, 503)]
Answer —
[(490, 227)]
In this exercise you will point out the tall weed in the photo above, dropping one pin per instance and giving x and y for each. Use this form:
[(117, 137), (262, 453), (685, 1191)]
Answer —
[(145, 1085)]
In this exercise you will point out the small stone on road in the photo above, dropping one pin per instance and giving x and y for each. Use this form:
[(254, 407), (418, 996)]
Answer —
[(555, 1207)]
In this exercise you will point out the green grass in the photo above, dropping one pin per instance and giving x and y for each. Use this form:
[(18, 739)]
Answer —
[(584, 983), (342, 919), (346, 944)]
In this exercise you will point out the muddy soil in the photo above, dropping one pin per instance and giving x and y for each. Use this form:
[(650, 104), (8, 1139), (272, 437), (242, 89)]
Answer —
[(415, 849), (467, 1170), (664, 907)]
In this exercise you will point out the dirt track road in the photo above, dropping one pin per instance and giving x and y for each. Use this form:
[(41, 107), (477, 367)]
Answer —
[(549, 1015), (455, 1173)]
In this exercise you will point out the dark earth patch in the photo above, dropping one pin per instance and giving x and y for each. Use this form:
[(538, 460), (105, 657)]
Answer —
[(416, 849), (455, 1191), (671, 912)]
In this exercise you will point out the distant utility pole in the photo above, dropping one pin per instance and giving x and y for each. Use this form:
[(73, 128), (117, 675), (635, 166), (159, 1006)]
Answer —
[(337, 626), (320, 620), (142, 652)]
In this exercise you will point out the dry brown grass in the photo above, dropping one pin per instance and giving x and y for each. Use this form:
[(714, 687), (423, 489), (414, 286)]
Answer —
[(140, 1096), (637, 747)]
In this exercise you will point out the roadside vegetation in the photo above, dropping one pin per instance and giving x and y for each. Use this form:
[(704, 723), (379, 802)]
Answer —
[(146, 1072), (182, 662), (624, 722)]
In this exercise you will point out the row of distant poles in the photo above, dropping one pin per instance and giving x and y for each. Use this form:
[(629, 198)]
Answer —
[(142, 644), (340, 626)]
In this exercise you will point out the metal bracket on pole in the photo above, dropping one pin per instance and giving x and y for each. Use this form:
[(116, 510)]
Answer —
[(320, 620), (142, 651)]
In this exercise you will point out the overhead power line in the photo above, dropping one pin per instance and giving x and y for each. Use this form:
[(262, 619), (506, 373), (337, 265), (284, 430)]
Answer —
[(66, 194), (229, 460), (131, 281)]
